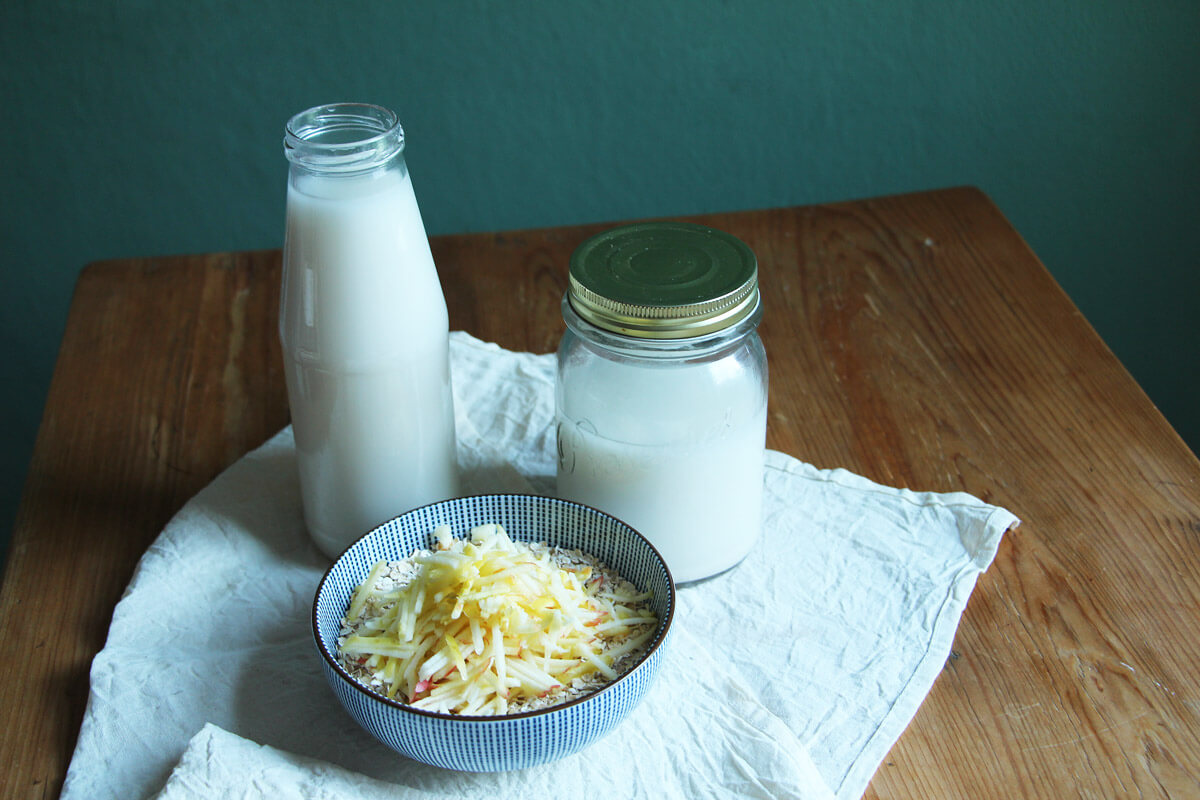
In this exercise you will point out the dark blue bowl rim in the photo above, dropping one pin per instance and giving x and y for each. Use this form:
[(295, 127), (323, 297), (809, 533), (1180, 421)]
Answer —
[(660, 635)]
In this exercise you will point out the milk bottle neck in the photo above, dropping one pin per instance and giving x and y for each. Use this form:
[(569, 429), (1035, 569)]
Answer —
[(344, 140)]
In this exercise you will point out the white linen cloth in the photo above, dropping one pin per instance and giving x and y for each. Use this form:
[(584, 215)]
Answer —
[(789, 676)]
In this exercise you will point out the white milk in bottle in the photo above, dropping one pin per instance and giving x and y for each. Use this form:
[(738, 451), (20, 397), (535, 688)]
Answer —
[(661, 396), (364, 328)]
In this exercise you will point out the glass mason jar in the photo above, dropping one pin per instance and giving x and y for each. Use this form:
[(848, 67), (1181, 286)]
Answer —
[(364, 328), (661, 395)]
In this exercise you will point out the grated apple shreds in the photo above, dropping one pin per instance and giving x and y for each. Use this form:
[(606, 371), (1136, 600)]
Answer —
[(486, 625)]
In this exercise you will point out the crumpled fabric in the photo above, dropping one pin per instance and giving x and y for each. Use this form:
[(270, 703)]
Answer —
[(790, 676)]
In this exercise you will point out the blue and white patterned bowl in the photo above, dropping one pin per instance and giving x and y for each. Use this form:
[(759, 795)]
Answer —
[(513, 741)]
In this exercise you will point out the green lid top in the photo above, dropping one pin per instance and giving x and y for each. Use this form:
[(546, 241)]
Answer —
[(663, 280)]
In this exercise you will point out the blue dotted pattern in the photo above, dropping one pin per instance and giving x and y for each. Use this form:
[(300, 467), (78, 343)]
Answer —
[(493, 744)]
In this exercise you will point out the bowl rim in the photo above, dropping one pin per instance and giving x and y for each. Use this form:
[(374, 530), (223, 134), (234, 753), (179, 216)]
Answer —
[(660, 634)]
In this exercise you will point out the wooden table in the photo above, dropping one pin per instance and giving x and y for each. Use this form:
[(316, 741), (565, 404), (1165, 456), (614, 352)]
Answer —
[(915, 340)]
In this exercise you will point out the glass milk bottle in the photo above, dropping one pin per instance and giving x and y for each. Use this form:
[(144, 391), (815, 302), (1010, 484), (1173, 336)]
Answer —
[(661, 394), (364, 328)]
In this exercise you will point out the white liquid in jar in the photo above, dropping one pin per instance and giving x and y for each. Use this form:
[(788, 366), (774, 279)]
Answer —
[(366, 353), (676, 452)]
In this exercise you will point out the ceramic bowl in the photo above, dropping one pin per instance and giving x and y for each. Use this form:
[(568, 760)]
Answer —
[(513, 741)]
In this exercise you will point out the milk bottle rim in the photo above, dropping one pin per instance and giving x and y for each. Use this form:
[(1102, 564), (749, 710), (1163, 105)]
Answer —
[(343, 138)]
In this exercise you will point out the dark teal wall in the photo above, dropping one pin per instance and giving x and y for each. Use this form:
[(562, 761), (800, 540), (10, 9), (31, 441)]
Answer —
[(137, 127)]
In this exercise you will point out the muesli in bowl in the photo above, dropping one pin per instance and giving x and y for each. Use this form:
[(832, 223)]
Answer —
[(484, 625), (494, 632)]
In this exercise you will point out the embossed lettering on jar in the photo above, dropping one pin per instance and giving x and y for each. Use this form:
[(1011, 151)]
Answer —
[(661, 394)]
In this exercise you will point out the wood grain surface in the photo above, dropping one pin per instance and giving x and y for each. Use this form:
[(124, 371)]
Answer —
[(915, 340)]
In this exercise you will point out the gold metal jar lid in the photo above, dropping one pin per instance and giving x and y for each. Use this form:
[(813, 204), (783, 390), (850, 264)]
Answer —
[(663, 280)]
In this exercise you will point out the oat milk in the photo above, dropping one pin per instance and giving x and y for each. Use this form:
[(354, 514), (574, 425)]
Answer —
[(365, 338), (690, 480), (661, 390)]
